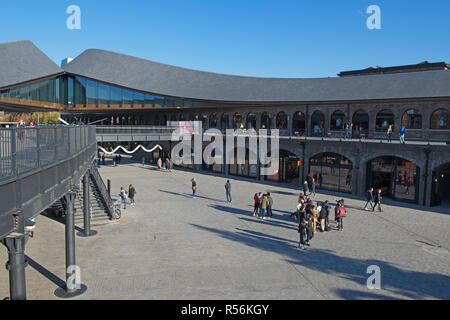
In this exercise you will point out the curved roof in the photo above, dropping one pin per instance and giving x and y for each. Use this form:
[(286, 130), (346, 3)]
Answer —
[(157, 78), (22, 61)]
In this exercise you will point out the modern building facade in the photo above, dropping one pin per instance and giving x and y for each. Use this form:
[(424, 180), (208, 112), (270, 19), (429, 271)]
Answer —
[(309, 113)]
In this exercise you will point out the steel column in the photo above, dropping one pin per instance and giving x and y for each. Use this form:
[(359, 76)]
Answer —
[(70, 237), (86, 206)]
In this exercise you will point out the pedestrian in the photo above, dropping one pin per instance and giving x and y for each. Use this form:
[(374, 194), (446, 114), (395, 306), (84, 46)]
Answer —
[(103, 159), (350, 133), (303, 231), (264, 204), (119, 159), (305, 188), (269, 207), (389, 133), (123, 196), (167, 163), (346, 130), (159, 163), (313, 187), (228, 191), (131, 193), (256, 207), (402, 134), (341, 213), (314, 216), (143, 161), (369, 198), (378, 200), (170, 165), (323, 215), (194, 186)]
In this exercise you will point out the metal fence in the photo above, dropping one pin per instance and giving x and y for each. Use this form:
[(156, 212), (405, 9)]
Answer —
[(27, 149)]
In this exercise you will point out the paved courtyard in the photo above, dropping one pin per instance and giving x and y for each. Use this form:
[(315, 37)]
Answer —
[(170, 246)]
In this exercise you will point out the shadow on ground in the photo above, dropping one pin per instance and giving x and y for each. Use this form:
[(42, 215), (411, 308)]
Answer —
[(394, 280)]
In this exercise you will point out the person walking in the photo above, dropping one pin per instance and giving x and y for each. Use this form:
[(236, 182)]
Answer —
[(123, 196), (378, 200), (303, 231), (159, 163), (143, 161), (256, 207), (389, 133), (323, 215), (369, 198), (402, 134), (131, 194), (264, 204), (269, 206), (170, 165), (103, 159), (313, 187), (228, 190), (305, 188), (194, 186), (341, 213), (315, 218)]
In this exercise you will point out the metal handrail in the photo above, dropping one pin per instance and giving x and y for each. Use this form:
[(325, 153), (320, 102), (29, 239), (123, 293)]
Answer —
[(100, 184)]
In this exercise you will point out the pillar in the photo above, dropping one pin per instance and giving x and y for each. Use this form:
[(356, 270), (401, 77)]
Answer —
[(15, 243)]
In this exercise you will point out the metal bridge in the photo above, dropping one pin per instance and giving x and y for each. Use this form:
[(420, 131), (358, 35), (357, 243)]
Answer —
[(38, 167)]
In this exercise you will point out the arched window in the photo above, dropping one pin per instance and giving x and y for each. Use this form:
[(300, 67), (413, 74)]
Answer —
[(360, 123), (317, 123), (440, 119), (282, 120), (237, 120), (331, 171), (213, 120), (224, 121), (412, 119), (266, 120), (384, 119), (337, 120), (251, 121), (299, 124)]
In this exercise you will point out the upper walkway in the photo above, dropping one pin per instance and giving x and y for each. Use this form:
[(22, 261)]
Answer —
[(38, 166)]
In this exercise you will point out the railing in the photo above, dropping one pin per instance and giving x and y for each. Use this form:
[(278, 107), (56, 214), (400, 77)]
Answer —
[(38, 166), (26, 149), (100, 184), (135, 130)]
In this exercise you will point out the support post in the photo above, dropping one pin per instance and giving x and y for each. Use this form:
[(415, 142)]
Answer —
[(17, 262), (73, 287), (87, 232)]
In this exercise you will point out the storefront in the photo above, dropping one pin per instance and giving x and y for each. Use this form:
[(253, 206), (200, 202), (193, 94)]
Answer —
[(396, 177), (331, 172), (288, 169), (243, 170)]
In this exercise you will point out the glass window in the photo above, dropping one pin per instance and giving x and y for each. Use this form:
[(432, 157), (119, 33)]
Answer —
[(251, 121), (299, 124), (91, 93), (412, 119), (104, 94), (213, 121), (317, 123), (149, 101), (282, 120), (237, 121), (116, 97), (128, 97), (440, 119), (80, 91), (139, 100), (331, 172), (71, 91), (384, 119), (337, 120), (266, 120)]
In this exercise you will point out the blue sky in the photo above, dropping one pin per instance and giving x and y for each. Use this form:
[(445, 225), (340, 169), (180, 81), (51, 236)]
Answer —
[(267, 38)]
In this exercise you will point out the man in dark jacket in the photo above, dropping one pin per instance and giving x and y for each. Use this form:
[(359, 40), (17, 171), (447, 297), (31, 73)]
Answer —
[(269, 206), (369, 198), (228, 190), (305, 188)]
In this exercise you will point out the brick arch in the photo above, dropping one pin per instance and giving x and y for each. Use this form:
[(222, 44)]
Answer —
[(366, 159), (442, 163)]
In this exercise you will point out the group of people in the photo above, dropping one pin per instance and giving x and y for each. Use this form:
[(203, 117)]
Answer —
[(310, 215), (373, 200), (167, 165), (124, 194), (117, 160), (262, 205), (403, 131)]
